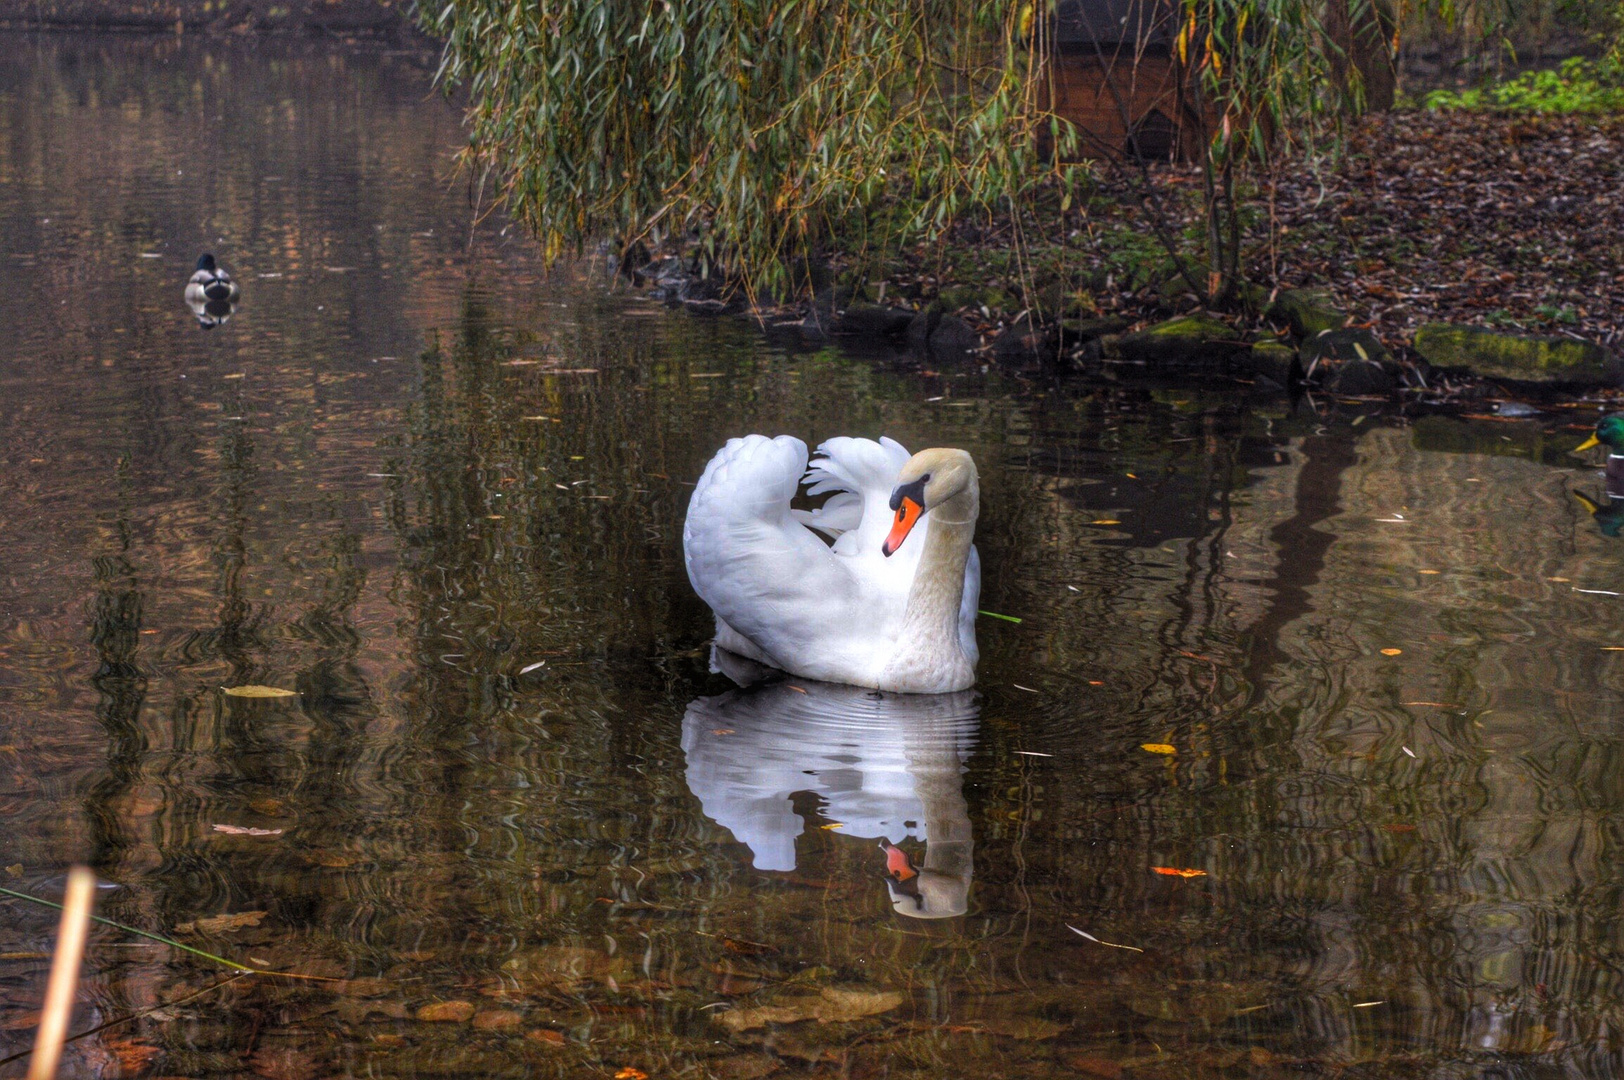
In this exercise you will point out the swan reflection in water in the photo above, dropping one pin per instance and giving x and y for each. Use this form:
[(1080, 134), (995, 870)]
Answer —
[(887, 766)]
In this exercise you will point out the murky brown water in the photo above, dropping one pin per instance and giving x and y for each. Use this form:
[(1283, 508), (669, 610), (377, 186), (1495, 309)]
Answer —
[(409, 468)]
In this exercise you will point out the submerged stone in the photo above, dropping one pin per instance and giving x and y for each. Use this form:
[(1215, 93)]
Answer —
[(1188, 339), (1520, 357)]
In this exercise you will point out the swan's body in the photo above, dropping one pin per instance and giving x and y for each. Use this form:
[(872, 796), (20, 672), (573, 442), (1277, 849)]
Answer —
[(869, 610), (211, 282)]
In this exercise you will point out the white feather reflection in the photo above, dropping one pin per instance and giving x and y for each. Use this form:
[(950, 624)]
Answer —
[(887, 766)]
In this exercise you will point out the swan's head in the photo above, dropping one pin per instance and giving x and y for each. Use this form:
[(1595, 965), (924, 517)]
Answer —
[(930, 478)]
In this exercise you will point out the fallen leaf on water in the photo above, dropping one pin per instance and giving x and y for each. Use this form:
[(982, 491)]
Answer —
[(498, 1020), (1367, 1004), (15, 870), (528, 668), (546, 1037), (1173, 871), (830, 1006), (243, 830), (1106, 521), (833, 825), (259, 691), (1392, 652), (1407, 750), (222, 924), (1095, 1066), (1429, 571), (629, 1073), (447, 1012), (133, 1055), (1399, 828), (722, 731), (1159, 747)]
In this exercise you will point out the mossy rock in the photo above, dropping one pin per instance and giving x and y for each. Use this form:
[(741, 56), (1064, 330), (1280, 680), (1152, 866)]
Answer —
[(955, 297), (1531, 358), (1077, 331), (873, 320), (1307, 311), (1189, 339)]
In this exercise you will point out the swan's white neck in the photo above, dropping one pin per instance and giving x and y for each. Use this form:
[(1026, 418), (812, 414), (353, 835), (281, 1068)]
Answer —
[(928, 658)]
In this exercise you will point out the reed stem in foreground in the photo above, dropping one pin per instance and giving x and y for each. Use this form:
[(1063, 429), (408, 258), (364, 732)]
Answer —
[(64, 984)]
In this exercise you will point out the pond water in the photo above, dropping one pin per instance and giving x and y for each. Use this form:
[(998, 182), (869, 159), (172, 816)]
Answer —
[(1312, 713)]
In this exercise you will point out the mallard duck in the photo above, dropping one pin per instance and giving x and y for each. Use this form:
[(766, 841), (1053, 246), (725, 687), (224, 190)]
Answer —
[(1610, 433), (866, 611), (210, 282)]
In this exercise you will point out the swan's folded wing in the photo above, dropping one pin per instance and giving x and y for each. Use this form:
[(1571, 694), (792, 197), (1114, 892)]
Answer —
[(968, 605), (759, 569), (862, 473)]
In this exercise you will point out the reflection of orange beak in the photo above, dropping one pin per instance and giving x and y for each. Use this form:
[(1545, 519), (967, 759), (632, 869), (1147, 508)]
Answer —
[(908, 513), (897, 864)]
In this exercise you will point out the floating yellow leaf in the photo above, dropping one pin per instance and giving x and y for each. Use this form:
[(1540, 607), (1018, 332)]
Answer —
[(259, 691), (1392, 652), (1429, 571), (1106, 521), (1159, 747), (1174, 871), (629, 1073), (833, 825)]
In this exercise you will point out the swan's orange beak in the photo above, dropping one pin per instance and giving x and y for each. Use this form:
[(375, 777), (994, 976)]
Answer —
[(908, 513)]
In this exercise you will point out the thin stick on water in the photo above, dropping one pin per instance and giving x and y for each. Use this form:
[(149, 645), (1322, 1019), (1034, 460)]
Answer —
[(171, 942), (64, 984)]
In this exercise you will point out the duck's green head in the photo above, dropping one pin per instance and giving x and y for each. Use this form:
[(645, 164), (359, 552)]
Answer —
[(1609, 432)]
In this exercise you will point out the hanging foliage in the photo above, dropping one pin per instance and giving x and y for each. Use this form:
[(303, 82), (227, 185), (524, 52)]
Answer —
[(770, 130)]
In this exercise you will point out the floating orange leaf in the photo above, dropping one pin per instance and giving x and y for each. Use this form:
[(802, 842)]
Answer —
[(1174, 871), (1159, 747), (629, 1073), (1106, 521), (1392, 652)]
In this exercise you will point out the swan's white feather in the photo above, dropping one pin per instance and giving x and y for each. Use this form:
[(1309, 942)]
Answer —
[(782, 596)]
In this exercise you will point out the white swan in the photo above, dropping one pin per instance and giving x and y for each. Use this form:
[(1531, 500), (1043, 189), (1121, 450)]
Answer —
[(868, 610)]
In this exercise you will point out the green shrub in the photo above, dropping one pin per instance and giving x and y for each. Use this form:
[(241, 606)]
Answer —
[(1578, 86)]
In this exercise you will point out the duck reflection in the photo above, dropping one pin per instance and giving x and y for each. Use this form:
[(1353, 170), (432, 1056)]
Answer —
[(1609, 515), (887, 766)]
